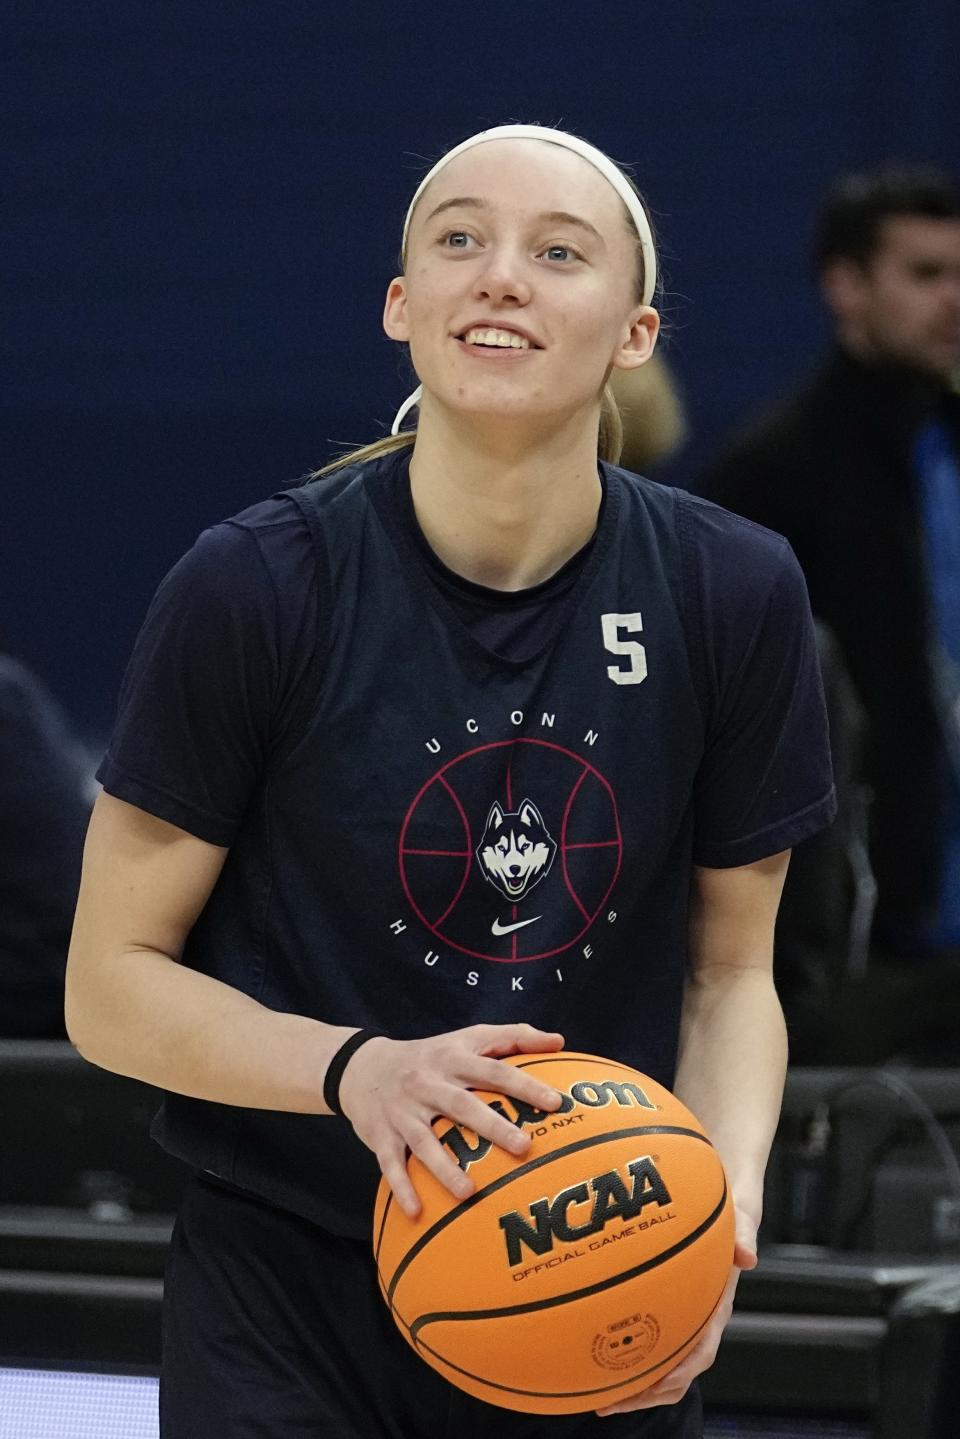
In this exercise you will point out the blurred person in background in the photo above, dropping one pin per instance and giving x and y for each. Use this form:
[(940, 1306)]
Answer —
[(860, 471), (651, 412), (46, 792)]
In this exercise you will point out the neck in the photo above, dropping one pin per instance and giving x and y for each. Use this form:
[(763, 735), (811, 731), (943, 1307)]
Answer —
[(500, 505)]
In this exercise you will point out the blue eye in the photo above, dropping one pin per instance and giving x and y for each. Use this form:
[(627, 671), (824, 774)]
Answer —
[(456, 240), (560, 252)]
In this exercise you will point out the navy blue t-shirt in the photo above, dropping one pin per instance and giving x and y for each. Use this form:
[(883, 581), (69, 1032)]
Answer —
[(437, 816)]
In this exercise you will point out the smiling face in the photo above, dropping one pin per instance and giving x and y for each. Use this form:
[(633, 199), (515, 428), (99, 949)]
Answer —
[(522, 287)]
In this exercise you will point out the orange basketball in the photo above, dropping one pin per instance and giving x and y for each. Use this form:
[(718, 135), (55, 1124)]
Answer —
[(578, 1275)]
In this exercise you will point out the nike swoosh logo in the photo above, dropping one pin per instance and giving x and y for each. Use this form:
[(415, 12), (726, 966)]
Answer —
[(498, 928)]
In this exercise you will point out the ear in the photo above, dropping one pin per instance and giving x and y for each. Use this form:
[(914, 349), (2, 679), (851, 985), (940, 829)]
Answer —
[(638, 339), (843, 283), (495, 817), (395, 310), (529, 814)]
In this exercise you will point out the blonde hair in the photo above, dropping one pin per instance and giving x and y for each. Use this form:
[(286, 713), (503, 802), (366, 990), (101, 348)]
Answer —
[(610, 431)]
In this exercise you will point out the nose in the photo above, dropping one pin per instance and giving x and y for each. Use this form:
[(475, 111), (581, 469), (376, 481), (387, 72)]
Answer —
[(502, 278)]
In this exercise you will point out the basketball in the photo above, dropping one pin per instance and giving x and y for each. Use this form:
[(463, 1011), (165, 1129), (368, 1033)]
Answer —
[(578, 1275)]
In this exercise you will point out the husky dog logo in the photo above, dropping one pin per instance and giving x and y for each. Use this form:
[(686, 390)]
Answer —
[(516, 851)]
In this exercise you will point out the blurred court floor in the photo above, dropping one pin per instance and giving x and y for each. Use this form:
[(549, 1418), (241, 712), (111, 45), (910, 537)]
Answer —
[(41, 1403)]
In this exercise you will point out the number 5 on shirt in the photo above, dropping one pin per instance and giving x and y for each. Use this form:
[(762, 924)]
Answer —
[(631, 624)]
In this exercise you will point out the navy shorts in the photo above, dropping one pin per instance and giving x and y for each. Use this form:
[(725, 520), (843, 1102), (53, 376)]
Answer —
[(275, 1328)]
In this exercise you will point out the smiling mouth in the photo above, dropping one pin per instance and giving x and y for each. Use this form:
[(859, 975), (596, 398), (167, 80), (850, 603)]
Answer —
[(496, 339)]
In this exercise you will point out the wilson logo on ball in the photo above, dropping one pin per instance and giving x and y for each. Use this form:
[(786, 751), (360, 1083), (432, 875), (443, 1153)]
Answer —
[(594, 1094), (612, 1198)]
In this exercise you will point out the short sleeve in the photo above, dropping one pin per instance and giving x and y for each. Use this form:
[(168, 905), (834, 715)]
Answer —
[(214, 671), (765, 781)]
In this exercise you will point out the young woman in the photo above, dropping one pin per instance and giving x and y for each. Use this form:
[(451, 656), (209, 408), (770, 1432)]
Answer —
[(475, 746)]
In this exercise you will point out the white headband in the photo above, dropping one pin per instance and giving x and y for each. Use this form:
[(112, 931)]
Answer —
[(596, 158)]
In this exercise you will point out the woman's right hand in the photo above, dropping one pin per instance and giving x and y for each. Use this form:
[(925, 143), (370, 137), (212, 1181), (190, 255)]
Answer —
[(392, 1089)]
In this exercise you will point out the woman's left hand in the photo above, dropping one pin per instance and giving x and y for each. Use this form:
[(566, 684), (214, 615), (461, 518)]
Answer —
[(674, 1385)]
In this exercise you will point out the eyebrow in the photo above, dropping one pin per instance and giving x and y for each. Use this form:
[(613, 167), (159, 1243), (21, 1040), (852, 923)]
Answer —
[(556, 217)]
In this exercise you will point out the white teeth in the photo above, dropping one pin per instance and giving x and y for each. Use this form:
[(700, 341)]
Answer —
[(502, 339)]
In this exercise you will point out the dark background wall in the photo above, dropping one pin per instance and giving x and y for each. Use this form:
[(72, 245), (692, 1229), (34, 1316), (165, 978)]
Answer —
[(203, 210)]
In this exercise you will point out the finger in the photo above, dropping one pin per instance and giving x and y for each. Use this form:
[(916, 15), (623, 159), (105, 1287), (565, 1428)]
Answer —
[(536, 1041), (504, 1079), (745, 1255), (441, 1164), (677, 1380), (503, 1039), (465, 1109), (393, 1167), (674, 1385), (745, 1247), (684, 1374), (652, 1398)]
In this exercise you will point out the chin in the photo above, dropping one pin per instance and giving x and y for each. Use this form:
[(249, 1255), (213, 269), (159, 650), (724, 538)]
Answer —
[(502, 408)]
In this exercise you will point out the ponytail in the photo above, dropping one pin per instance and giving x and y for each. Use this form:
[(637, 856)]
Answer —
[(610, 435), (386, 446)]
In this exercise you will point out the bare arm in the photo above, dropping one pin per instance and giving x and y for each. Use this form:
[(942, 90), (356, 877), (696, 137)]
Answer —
[(733, 1044), (132, 1007), (732, 1063)]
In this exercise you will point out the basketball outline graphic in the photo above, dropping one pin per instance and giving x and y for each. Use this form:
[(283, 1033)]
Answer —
[(446, 781)]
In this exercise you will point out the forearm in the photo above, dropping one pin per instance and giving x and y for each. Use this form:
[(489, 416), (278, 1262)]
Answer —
[(133, 1008), (144, 1015), (732, 1064)]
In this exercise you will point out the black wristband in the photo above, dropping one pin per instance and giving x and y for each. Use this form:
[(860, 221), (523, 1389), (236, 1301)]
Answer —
[(339, 1062)]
